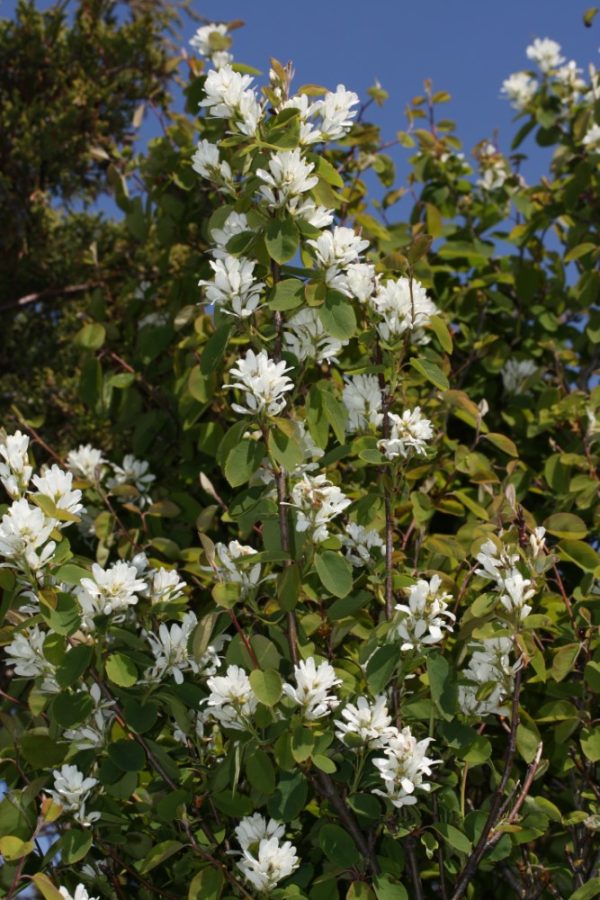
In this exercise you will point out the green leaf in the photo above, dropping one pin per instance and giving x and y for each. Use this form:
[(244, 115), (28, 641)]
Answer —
[(71, 573), (337, 316), (243, 461), (74, 845), (285, 449), (260, 771), (289, 798), (226, 594), (579, 251), (158, 854), (360, 890), (45, 887), (381, 666), (266, 686), (12, 847), (303, 743), (282, 240), (440, 329), (502, 442), (442, 684), (336, 414), (566, 525), (592, 676), (121, 670), (335, 572), (127, 755), (91, 336), (431, 372), (42, 751), (70, 709), (287, 294), (564, 660), (213, 351), (587, 891), (338, 846), (288, 587), (75, 663), (579, 553), (388, 890), (207, 884), (590, 743), (454, 837), (324, 763)]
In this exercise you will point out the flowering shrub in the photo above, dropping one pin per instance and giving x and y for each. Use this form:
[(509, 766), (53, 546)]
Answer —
[(369, 667)]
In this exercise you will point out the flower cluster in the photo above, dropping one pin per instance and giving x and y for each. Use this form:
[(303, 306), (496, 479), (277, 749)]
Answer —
[(408, 432), (264, 382), (312, 690), (72, 790), (265, 860), (317, 501), (514, 589), (423, 620), (403, 766)]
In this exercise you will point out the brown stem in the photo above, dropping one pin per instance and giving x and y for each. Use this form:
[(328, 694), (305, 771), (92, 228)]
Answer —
[(244, 638), (413, 868), (143, 881), (37, 437), (389, 521), (326, 787), (464, 879), (531, 771), (49, 293), (14, 887)]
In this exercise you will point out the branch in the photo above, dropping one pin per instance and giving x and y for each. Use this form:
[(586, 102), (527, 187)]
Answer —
[(464, 879), (531, 772), (49, 293), (409, 846), (326, 787)]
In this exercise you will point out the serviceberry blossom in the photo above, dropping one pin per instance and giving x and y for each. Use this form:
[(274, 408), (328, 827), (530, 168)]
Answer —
[(546, 53), (15, 471), (264, 382), (170, 649), (359, 281), (229, 96), (520, 88), (359, 543), (57, 484), (515, 374), (403, 767), (231, 700), (93, 733), (335, 250), (133, 472), (410, 431), (336, 113), (235, 223), (569, 77), (25, 654), (24, 531), (80, 893), (228, 569), (208, 42), (289, 175), (537, 541), (591, 138), (366, 723), (164, 585), (71, 790), (306, 338), (265, 860), (495, 563), (86, 462), (305, 208), (318, 501), (404, 305), (362, 398), (233, 288), (516, 591), (207, 162), (495, 170), (313, 686), (423, 620), (110, 590), (489, 667)]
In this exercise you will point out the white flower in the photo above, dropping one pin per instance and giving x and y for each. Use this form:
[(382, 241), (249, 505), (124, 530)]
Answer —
[(164, 585), (359, 281), (235, 223), (519, 88), (229, 96), (26, 654), (410, 431), (289, 175), (86, 462), (58, 486), (134, 472), (264, 382), (338, 248), (207, 162), (201, 42), (170, 650), (80, 893), (537, 541), (313, 684), (367, 723), (568, 75), (318, 501), (425, 617), (248, 577), (516, 591), (546, 53), (265, 861), (404, 305), (516, 372), (234, 287), (15, 471), (495, 563), (335, 110), (110, 590), (489, 668), (360, 543), (24, 529), (231, 700), (93, 732), (591, 138), (306, 338), (305, 208), (403, 768), (71, 791), (362, 398)]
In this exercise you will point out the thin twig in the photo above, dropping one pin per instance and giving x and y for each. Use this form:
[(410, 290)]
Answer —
[(413, 868), (326, 787), (49, 293)]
